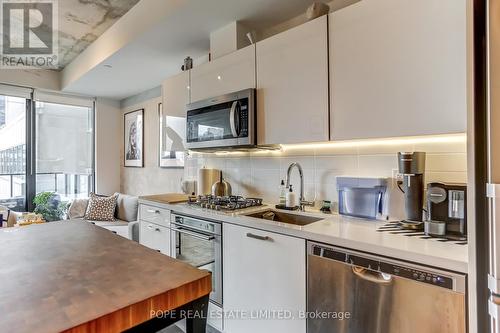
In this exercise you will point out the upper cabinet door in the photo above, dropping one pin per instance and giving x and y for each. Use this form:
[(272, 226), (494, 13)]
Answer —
[(176, 95), (398, 68), (224, 75), (292, 83)]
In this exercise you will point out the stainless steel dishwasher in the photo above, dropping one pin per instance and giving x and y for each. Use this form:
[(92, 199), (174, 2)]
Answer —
[(353, 292)]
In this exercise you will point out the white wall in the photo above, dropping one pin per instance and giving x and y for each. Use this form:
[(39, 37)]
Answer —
[(259, 174), (107, 132), (151, 179)]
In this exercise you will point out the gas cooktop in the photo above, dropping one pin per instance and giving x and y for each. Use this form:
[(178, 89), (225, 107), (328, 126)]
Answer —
[(226, 203)]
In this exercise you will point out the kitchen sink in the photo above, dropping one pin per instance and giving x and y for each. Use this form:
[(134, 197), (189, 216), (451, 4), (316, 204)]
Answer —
[(277, 216)]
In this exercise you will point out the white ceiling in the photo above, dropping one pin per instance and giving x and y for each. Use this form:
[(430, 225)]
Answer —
[(153, 56)]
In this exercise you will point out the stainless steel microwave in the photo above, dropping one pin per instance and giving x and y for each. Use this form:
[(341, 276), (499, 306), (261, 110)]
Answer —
[(227, 121)]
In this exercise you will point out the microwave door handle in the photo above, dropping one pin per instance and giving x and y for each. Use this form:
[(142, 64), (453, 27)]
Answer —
[(232, 119)]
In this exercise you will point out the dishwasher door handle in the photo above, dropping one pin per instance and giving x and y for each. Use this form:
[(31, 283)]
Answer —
[(372, 276)]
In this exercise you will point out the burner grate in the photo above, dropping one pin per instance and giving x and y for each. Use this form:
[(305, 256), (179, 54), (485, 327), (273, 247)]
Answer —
[(226, 203)]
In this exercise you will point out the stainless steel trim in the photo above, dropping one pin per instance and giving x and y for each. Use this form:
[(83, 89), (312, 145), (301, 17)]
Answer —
[(221, 99), (375, 300), (264, 238), (216, 296), (216, 232), (194, 234), (459, 280), (250, 141), (369, 275), (232, 113)]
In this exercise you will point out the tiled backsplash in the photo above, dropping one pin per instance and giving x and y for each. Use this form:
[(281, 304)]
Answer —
[(259, 173)]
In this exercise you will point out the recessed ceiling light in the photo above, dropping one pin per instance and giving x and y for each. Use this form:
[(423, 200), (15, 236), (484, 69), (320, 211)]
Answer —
[(108, 66)]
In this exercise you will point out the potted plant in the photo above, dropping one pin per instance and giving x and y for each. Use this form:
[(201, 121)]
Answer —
[(49, 205)]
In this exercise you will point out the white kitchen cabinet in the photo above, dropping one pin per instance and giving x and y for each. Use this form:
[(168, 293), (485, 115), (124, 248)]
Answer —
[(154, 228), (176, 95), (263, 274), (118, 230), (154, 214), (227, 74), (292, 85), (398, 68), (154, 236)]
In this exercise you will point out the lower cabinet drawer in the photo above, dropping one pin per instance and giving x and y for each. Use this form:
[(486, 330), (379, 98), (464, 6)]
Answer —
[(154, 215), (155, 236)]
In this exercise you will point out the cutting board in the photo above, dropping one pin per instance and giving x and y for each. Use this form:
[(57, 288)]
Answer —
[(170, 198)]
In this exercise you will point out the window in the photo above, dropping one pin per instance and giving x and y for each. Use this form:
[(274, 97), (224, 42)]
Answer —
[(13, 152), (55, 155), (64, 149)]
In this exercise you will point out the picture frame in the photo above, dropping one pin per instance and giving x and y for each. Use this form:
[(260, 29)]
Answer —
[(171, 152), (133, 138)]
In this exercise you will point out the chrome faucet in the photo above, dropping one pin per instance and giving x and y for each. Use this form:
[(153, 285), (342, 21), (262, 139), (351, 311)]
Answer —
[(302, 201)]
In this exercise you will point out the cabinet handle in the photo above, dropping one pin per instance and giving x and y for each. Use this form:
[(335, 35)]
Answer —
[(157, 229), (113, 231), (264, 238), (153, 211), (150, 226)]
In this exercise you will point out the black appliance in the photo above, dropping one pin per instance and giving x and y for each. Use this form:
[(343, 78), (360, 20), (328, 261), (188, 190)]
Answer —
[(225, 203), (412, 167), (446, 210)]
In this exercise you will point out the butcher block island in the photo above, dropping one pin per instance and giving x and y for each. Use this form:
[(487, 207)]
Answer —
[(72, 276)]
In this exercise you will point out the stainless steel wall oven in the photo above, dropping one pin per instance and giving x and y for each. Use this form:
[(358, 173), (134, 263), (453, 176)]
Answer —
[(199, 243)]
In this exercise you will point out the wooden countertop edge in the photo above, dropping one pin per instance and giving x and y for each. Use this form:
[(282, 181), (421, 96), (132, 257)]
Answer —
[(137, 313)]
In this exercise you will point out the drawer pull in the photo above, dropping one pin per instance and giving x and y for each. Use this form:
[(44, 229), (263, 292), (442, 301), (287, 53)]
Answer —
[(157, 229), (113, 231), (150, 226), (153, 211), (264, 238)]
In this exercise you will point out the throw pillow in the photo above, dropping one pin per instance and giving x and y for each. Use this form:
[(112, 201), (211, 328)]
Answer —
[(78, 208), (126, 207), (101, 208)]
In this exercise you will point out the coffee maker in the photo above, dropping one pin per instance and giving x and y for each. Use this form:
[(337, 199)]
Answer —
[(446, 210), (412, 167)]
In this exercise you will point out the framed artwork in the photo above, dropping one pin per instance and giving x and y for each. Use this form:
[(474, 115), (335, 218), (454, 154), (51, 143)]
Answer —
[(172, 136), (134, 138)]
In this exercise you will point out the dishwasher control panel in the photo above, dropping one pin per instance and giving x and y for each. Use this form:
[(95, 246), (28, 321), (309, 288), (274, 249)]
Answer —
[(417, 275), (407, 272)]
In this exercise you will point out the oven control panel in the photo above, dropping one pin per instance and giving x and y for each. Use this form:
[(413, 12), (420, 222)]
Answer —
[(196, 224)]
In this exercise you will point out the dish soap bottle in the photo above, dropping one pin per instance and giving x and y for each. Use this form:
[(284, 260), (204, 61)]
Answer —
[(282, 193), (290, 198)]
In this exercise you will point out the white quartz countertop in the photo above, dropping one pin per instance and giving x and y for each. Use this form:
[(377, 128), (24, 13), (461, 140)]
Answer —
[(350, 233)]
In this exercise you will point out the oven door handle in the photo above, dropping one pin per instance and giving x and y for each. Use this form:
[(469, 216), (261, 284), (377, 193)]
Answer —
[(193, 229), (194, 234)]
